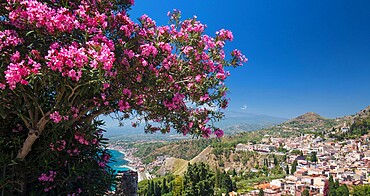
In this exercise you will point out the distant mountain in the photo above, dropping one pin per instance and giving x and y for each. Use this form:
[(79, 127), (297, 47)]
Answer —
[(311, 121), (234, 122), (239, 121)]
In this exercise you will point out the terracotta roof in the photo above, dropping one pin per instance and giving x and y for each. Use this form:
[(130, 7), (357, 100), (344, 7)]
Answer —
[(263, 186)]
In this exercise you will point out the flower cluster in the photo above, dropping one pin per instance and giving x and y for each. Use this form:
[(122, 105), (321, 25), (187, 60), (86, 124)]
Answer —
[(100, 49), (44, 178), (18, 70), (57, 118), (239, 56), (225, 35), (47, 177), (103, 163), (73, 152), (91, 22), (59, 145), (125, 24), (176, 102), (81, 138), (35, 13), (9, 38), (67, 60), (16, 73)]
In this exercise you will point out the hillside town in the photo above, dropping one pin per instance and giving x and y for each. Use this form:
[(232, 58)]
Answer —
[(307, 155), (347, 161)]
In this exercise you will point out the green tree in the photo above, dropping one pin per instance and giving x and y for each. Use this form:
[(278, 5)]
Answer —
[(151, 188), (218, 178), (294, 167), (157, 189), (149, 191), (178, 186), (234, 172), (261, 193), (361, 190), (332, 186), (306, 192), (313, 157), (275, 161), (295, 152), (198, 180), (164, 187), (226, 182), (342, 190)]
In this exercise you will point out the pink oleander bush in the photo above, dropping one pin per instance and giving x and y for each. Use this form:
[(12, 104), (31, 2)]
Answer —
[(64, 63)]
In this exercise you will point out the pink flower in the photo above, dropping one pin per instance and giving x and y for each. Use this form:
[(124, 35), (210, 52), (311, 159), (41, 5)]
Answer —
[(198, 78), (106, 85), (56, 117), (147, 22), (138, 78), (48, 177), (221, 76), (225, 34), (67, 60), (204, 97), (39, 15), (61, 144), (127, 92), (129, 53), (9, 38), (102, 164), (219, 133), (15, 74), (123, 105), (239, 57), (148, 49), (15, 57), (190, 124), (81, 138)]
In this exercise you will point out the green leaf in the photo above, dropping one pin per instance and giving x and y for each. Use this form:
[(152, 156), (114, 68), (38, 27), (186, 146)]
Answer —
[(28, 33)]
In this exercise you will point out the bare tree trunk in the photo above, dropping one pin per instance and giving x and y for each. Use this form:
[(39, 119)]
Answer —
[(27, 144), (33, 134)]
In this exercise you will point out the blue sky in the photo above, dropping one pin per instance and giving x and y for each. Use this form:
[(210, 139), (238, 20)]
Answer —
[(303, 55)]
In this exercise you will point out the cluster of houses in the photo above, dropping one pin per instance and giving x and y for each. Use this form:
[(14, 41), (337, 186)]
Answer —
[(347, 161)]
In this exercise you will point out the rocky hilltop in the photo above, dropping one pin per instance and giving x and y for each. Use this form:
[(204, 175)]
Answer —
[(365, 113), (309, 117)]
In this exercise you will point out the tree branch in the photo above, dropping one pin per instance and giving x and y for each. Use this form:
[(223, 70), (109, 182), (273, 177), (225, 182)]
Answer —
[(33, 134)]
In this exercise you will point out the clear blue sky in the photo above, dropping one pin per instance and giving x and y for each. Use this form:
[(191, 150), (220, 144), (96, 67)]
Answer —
[(303, 55)]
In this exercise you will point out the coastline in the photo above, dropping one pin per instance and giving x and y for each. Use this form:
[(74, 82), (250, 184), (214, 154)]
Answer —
[(127, 159), (133, 163)]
